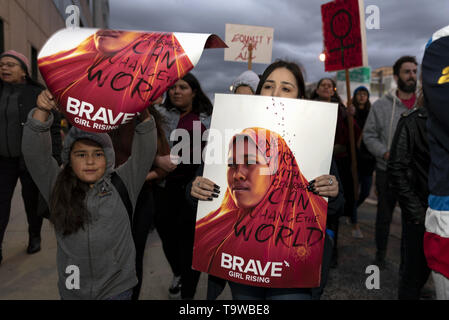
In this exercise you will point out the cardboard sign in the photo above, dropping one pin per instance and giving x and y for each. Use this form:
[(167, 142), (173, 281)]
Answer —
[(265, 228), (344, 34), (103, 78), (238, 37)]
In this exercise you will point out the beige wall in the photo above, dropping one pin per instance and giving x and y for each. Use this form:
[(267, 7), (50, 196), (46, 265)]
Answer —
[(29, 23)]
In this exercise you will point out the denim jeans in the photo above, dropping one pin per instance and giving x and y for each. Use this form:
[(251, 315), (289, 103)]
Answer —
[(245, 292), (386, 202), (143, 218), (215, 287), (415, 271), (365, 183)]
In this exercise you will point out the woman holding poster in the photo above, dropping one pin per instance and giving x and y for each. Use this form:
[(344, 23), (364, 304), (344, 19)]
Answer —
[(274, 220), (186, 111)]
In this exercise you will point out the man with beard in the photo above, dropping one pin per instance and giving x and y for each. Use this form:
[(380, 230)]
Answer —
[(378, 134)]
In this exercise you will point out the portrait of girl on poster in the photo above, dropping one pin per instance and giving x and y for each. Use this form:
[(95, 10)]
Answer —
[(122, 71), (269, 229)]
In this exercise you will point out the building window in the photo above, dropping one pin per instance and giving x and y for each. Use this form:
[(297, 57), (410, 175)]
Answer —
[(34, 72)]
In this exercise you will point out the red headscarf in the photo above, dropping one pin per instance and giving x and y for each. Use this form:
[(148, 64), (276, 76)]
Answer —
[(287, 226), (126, 81)]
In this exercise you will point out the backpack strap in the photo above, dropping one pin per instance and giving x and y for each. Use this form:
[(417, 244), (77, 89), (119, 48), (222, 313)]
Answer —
[(123, 192)]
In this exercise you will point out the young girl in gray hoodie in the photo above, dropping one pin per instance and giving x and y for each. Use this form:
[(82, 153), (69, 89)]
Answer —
[(95, 251)]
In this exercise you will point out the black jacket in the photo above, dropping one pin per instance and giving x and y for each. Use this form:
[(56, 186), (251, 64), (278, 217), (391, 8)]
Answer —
[(27, 101), (408, 165)]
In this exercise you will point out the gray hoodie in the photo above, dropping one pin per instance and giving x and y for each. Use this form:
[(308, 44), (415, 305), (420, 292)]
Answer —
[(381, 125), (104, 250)]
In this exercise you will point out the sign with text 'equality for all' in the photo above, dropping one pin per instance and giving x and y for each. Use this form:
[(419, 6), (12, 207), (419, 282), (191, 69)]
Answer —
[(344, 34), (266, 228), (238, 38), (101, 79)]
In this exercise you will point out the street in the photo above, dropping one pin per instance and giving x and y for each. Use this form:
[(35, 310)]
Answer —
[(31, 277)]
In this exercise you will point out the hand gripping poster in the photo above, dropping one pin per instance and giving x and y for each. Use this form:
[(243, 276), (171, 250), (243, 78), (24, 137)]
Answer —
[(265, 228), (103, 78)]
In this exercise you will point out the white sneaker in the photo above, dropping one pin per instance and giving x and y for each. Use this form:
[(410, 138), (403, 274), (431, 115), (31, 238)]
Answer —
[(174, 292)]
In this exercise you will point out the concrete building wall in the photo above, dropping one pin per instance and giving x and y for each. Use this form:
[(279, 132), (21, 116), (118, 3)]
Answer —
[(27, 24)]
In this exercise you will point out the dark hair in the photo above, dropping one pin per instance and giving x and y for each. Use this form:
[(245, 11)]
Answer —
[(335, 97), (68, 211), (293, 67), (200, 104), (398, 64), (354, 100)]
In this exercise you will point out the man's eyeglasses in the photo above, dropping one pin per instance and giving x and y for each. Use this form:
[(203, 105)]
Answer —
[(8, 64)]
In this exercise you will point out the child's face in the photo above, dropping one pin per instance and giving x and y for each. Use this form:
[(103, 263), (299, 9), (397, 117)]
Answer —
[(88, 161)]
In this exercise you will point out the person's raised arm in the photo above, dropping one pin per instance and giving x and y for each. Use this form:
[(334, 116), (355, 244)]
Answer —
[(135, 170)]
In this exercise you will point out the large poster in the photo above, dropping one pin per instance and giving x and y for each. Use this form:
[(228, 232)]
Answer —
[(265, 229), (103, 78)]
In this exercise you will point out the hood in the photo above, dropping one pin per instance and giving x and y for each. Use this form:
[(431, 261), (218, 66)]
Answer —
[(391, 94), (247, 78), (103, 139)]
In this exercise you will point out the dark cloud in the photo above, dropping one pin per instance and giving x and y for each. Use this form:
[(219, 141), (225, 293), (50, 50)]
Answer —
[(405, 27)]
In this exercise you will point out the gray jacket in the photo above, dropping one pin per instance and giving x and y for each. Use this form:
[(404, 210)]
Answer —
[(104, 250), (381, 125)]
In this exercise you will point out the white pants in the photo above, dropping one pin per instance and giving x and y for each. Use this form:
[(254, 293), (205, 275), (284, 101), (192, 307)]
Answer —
[(441, 286)]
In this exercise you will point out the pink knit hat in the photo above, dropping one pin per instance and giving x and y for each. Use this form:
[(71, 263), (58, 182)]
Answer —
[(20, 57)]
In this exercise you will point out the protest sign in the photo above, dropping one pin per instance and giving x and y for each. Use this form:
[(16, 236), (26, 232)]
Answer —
[(239, 38), (344, 34), (345, 47), (358, 75), (265, 229), (103, 78)]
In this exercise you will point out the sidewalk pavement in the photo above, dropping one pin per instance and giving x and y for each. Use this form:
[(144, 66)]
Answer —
[(30, 277)]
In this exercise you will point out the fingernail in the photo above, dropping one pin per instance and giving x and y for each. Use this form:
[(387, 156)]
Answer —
[(210, 199), (312, 182), (214, 195), (216, 187), (216, 190)]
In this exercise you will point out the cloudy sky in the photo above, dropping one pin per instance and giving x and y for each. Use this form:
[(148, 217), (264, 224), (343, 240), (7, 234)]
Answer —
[(405, 27)]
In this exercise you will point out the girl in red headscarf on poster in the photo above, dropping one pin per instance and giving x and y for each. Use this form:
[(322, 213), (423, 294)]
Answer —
[(269, 229), (119, 70)]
